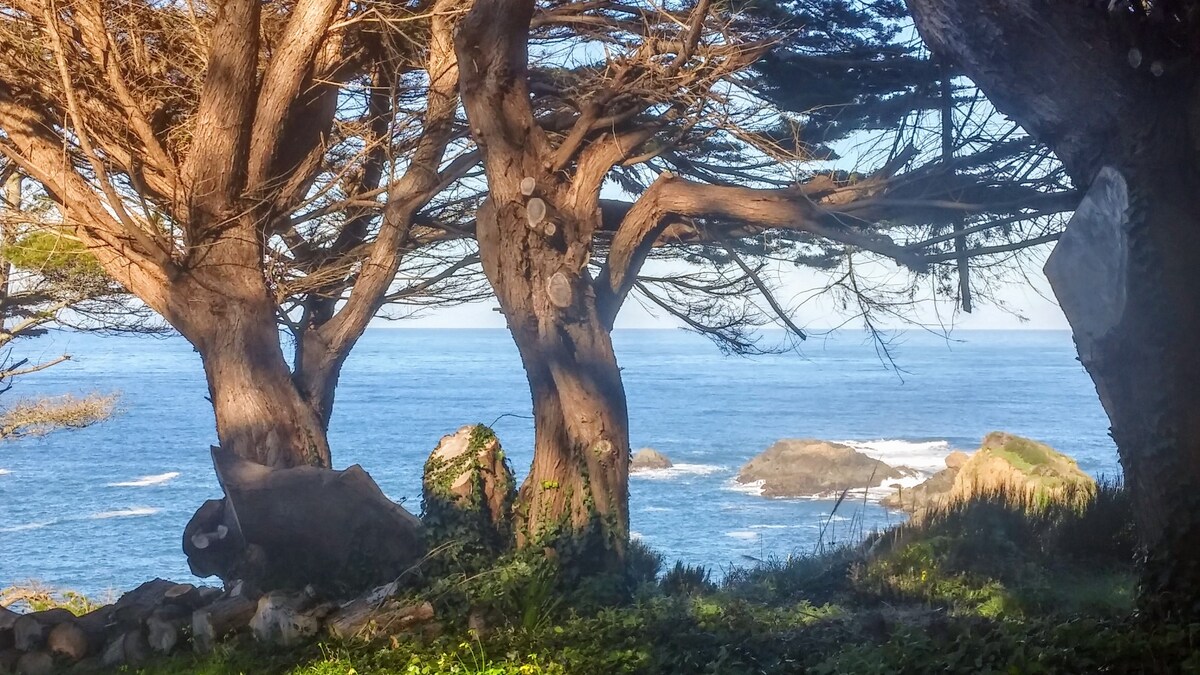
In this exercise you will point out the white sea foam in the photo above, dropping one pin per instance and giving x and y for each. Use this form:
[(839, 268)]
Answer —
[(130, 512), (753, 488), (743, 534), (146, 481), (27, 526), (677, 471), (634, 534), (776, 527), (925, 456)]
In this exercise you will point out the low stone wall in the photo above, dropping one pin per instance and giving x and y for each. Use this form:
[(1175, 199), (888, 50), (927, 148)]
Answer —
[(161, 617)]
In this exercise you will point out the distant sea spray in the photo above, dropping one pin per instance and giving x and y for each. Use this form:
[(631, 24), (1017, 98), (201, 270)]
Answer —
[(147, 481), (131, 512)]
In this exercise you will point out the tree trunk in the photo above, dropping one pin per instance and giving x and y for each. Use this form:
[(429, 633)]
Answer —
[(261, 415), (576, 496), (1127, 278), (1126, 270), (318, 364)]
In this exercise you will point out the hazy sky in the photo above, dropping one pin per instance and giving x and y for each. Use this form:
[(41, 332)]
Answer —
[(1033, 301)]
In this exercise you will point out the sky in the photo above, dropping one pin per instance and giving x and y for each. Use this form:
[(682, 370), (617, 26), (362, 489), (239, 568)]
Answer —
[(1033, 301)]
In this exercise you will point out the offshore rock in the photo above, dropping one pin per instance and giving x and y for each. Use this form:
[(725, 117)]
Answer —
[(648, 459), (807, 467)]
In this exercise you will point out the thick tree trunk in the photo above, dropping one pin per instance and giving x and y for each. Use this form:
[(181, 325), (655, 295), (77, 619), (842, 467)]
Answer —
[(535, 235), (1126, 274), (576, 496), (261, 415), (1126, 270)]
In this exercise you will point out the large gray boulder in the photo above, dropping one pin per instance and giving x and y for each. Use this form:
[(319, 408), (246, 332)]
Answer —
[(648, 459), (808, 467), (289, 528)]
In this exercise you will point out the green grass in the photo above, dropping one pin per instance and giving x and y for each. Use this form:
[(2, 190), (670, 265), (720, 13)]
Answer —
[(1000, 584), (1024, 454)]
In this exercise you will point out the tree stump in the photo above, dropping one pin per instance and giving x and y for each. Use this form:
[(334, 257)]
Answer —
[(289, 528), (468, 490), (68, 641), (211, 624)]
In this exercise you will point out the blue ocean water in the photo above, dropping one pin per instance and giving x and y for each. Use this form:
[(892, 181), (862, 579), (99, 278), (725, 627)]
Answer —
[(103, 508)]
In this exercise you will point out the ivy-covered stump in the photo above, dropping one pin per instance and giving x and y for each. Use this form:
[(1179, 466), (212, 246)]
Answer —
[(468, 491)]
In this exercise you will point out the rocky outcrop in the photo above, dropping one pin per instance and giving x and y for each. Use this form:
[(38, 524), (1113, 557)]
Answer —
[(805, 467), (290, 528), (1003, 462), (1006, 461), (468, 490), (648, 459), (936, 487)]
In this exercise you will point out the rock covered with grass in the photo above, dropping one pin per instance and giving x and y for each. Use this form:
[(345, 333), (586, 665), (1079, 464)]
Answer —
[(648, 459), (806, 467), (1004, 462)]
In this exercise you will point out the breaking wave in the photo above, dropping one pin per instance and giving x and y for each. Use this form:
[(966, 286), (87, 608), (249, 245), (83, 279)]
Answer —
[(28, 526), (146, 481), (677, 471), (131, 512)]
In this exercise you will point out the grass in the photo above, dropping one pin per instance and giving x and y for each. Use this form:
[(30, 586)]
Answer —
[(1001, 584), (33, 596)]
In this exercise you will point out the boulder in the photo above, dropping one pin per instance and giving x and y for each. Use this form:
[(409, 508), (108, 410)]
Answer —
[(805, 467), (468, 490), (933, 489), (289, 528), (648, 459), (1005, 461), (956, 460)]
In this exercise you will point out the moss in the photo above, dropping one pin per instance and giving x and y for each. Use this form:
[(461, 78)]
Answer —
[(1025, 454)]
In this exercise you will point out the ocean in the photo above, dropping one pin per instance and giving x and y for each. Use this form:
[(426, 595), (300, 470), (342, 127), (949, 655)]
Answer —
[(102, 509)]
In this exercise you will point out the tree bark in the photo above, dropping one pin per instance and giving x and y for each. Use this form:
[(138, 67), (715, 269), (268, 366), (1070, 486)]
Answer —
[(1130, 297), (1125, 271), (576, 496), (535, 235), (260, 413)]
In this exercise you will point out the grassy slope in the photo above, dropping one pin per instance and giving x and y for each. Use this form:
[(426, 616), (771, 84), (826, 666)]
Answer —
[(996, 585)]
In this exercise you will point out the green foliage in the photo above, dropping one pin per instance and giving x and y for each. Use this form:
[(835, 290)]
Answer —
[(643, 563), (988, 586), (54, 256), (464, 533), (686, 580), (1008, 553), (818, 578), (35, 597)]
